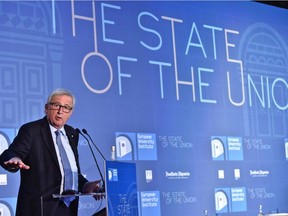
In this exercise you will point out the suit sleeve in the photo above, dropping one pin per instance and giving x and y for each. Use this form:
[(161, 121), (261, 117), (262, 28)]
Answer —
[(20, 147)]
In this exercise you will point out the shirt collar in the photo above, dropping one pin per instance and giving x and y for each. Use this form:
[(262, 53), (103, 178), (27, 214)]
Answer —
[(53, 129)]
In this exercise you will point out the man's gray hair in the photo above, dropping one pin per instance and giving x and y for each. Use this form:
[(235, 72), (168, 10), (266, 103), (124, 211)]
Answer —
[(61, 91)]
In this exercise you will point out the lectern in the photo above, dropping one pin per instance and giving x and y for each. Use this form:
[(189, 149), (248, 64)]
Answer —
[(121, 188)]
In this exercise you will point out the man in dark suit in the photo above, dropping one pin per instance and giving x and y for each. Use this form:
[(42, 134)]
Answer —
[(35, 152)]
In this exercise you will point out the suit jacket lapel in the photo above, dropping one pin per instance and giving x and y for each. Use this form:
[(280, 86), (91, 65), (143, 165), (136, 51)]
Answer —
[(48, 140), (73, 141)]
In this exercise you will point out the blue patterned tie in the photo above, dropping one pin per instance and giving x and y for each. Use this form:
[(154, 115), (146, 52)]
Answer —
[(68, 174)]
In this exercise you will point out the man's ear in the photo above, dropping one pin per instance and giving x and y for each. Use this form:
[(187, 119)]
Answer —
[(46, 107)]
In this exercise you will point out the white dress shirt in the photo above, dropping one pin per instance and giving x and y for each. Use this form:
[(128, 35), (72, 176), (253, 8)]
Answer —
[(69, 153)]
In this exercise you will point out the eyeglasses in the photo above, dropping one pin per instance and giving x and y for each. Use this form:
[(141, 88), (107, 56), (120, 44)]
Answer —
[(57, 106)]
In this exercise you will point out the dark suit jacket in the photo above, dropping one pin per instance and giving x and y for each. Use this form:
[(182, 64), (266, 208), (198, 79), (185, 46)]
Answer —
[(34, 146)]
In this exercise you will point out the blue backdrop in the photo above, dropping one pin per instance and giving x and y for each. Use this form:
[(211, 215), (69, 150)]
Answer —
[(195, 93)]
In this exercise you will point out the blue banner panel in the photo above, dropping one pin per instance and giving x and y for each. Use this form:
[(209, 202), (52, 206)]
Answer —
[(195, 93)]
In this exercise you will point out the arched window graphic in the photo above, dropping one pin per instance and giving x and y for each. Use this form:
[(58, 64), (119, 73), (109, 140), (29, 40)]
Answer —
[(264, 52), (30, 59)]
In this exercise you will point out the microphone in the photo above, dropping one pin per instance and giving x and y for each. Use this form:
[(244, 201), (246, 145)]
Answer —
[(97, 165), (85, 132)]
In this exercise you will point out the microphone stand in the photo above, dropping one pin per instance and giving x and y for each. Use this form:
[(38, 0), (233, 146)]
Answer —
[(97, 165), (85, 132), (103, 211)]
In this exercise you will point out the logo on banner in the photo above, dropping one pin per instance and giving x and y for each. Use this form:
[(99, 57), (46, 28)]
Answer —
[(124, 146), (147, 146), (136, 146), (218, 148), (148, 175), (230, 200), (226, 148), (112, 174), (5, 208), (237, 174), (177, 175), (4, 138), (286, 149), (3, 179), (259, 173), (150, 203), (221, 201)]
